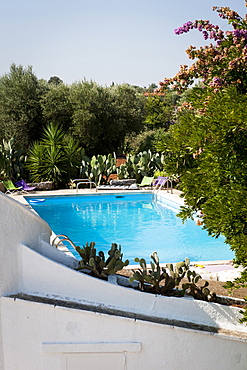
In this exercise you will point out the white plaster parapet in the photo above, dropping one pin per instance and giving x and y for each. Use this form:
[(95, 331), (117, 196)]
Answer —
[(44, 277)]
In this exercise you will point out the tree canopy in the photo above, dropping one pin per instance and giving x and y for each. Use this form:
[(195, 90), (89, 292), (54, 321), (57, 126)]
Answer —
[(20, 109), (209, 152), (160, 110), (97, 117), (56, 105), (102, 116)]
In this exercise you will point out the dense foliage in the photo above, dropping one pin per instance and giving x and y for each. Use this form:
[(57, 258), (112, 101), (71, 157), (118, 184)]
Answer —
[(103, 116), (20, 109), (56, 105), (209, 152), (97, 118), (159, 109), (208, 145)]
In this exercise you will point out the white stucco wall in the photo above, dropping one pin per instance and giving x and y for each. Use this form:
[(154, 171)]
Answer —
[(39, 336), (17, 224), (20, 225), (43, 277), (43, 336)]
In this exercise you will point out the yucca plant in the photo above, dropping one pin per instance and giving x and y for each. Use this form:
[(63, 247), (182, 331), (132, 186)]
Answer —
[(55, 158)]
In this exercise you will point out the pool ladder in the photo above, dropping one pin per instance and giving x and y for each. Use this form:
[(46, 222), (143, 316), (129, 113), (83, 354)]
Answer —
[(158, 187), (64, 238), (83, 181)]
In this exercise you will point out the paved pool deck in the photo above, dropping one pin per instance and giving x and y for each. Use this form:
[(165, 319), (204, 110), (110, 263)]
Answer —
[(209, 270)]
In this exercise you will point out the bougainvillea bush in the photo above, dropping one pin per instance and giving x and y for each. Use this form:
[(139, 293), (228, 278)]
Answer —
[(220, 64)]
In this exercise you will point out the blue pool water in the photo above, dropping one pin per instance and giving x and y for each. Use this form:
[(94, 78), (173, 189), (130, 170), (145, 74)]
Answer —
[(134, 221)]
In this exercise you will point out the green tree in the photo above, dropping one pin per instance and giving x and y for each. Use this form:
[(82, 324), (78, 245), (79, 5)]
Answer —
[(151, 88), (91, 123), (55, 80), (214, 175), (56, 105), (160, 110), (143, 141), (102, 116), (20, 110), (128, 104)]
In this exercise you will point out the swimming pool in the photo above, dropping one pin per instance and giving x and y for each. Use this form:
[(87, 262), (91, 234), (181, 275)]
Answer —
[(136, 222)]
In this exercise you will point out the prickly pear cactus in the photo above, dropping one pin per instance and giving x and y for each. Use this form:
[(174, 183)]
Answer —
[(141, 164), (98, 168), (160, 280), (96, 264), (114, 262), (140, 275), (201, 292)]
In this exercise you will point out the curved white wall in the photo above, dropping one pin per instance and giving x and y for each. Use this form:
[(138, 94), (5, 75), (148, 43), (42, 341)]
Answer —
[(17, 224), (39, 336), (44, 277)]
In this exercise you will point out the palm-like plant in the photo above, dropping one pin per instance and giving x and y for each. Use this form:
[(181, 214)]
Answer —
[(53, 135), (54, 158), (74, 154), (56, 165), (35, 161)]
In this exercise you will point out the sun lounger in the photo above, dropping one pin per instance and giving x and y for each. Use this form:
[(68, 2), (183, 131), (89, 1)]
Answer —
[(43, 185), (160, 181), (10, 187), (146, 182), (24, 186)]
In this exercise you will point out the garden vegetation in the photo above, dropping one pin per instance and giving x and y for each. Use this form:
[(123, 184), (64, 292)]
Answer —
[(196, 122), (207, 146)]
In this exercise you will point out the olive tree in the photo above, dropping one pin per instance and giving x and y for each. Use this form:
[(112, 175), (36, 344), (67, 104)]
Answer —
[(56, 105), (20, 109), (102, 116)]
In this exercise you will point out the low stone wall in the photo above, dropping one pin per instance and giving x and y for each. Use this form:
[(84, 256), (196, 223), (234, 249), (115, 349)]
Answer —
[(123, 182), (45, 185)]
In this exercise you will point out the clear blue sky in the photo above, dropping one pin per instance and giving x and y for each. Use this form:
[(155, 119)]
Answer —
[(107, 41)]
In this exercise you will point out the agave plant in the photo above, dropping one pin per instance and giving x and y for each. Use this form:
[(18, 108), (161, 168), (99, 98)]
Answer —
[(12, 159)]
